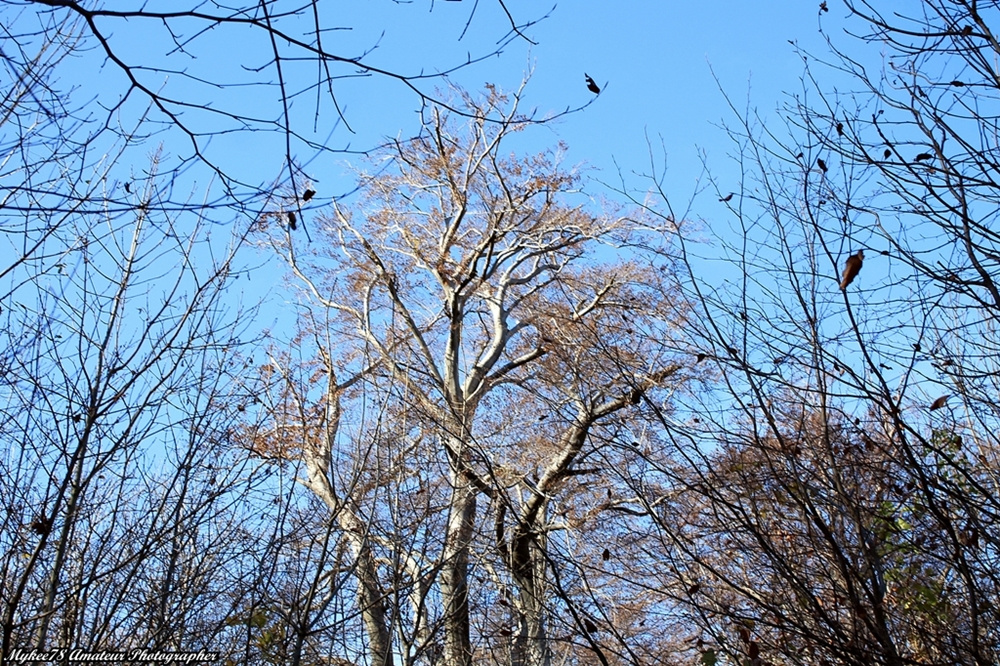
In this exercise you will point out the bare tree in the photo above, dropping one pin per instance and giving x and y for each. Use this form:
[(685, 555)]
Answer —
[(120, 497), (485, 341), (833, 498), (125, 516)]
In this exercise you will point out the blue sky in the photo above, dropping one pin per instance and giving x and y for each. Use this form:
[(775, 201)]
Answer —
[(655, 59)]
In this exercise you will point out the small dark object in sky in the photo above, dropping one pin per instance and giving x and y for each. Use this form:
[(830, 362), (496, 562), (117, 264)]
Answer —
[(693, 590), (923, 156), (728, 197), (840, 129), (821, 164), (701, 357), (916, 346), (591, 86), (887, 154), (128, 188), (967, 30), (308, 194), (800, 156), (823, 7), (939, 403), (957, 83), (851, 269), (606, 555), (291, 220), (589, 625)]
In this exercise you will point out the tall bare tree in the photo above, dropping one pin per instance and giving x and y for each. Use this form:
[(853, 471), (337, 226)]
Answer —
[(486, 341)]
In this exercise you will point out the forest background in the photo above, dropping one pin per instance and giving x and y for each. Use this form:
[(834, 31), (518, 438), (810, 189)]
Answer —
[(321, 353)]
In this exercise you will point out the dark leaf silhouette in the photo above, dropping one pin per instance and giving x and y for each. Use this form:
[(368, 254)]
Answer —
[(851, 269), (939, 403), (591, 85), (41, 525), (821, 164), (308, 194), (728, 197), (923, 156)]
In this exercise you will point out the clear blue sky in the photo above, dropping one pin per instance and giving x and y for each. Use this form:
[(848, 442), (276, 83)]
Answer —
[(655, 59)]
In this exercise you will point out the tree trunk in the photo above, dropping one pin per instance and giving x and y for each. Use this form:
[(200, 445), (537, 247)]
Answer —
[(455, 573), (528, 564)]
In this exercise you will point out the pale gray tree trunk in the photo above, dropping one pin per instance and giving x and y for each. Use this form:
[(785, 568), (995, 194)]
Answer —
[(455, 563), (371, 598)]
